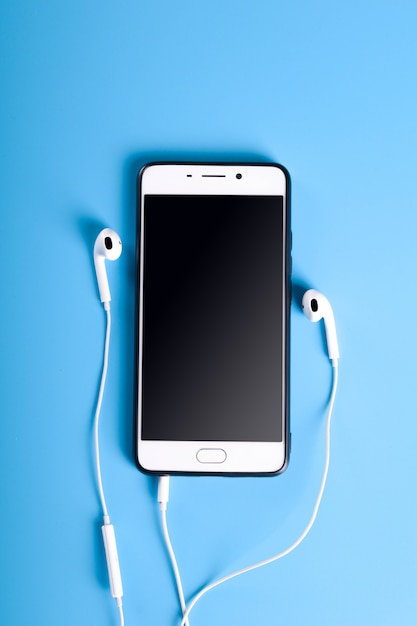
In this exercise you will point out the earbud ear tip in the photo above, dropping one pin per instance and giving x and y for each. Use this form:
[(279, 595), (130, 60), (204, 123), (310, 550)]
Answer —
[(108, 246), (108, 243), (310, 305), (316, 307)]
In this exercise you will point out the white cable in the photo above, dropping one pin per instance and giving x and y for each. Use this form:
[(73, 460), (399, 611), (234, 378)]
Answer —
[(121, 615), (163, 496), (174, 564), (97, 417), (307, 528), (107, 529)]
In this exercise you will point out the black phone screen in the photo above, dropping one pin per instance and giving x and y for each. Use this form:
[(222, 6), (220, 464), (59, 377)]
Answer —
[(213, 318)]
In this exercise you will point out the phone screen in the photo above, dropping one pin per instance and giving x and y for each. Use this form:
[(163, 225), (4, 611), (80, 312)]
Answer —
[(212, 360)]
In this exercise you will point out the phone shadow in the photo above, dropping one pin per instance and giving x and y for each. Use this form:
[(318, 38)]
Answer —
[(128, 231)]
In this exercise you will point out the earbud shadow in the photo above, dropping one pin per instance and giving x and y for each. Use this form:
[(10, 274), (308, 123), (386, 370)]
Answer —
[(89, 229), (299, 287)]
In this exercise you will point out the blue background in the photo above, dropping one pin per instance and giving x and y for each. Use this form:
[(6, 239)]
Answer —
[(90, 92)]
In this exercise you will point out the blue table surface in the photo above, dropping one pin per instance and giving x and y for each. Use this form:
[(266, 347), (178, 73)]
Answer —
[(90, 91)]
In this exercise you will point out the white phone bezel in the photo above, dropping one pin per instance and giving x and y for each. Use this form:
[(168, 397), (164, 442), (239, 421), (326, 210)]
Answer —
[(219, 457)]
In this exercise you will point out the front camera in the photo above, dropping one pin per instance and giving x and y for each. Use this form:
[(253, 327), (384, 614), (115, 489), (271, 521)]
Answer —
[(238, 176)]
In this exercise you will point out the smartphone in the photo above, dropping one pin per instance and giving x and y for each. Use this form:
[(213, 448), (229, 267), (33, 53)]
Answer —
[(213, 318)]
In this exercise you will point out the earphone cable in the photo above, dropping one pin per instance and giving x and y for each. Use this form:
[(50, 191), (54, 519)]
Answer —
[(121, 614), (307, 529), (97, 417), (163, 496), (107, 530)]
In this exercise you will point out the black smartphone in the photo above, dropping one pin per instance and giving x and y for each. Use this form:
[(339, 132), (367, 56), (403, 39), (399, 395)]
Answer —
[(214, 265)]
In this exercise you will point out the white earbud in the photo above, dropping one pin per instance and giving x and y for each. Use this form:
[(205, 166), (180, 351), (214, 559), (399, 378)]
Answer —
[(316, 306), (107, 246)]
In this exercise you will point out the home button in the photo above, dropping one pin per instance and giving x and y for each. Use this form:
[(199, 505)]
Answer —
[(211, 455)]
